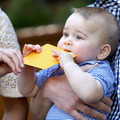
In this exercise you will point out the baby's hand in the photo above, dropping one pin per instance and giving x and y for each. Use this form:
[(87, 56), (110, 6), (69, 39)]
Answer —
[(64, 57), (28, 48)]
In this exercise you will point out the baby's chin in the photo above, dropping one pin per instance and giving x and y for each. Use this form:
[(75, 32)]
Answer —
[(77, 61)]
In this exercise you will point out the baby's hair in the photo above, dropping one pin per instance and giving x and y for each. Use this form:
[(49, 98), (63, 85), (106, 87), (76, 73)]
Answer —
[(105, 23)]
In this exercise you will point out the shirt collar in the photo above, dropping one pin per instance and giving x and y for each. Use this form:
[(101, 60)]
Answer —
[(93, 62)]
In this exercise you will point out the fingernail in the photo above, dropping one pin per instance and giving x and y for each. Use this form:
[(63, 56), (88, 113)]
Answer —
[(38, 50), (109, 110), (103, 117), (110, 103), (19, 70), (15, 73), (22, 65)]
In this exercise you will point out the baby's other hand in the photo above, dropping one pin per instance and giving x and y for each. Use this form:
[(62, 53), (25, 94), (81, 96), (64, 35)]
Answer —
[(28, 48), (64, 57)]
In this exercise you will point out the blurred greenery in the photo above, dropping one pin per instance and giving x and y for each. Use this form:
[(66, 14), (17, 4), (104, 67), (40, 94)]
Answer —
[(25, 13)]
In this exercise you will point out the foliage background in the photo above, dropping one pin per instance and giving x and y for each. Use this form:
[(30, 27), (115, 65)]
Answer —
[(25, 13)]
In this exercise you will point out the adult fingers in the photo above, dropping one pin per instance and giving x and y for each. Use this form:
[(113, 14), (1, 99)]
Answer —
[(91, 112), (87, 67), (101, 106), (15, 57), (20, 58), (77, 115), (107, 101), (8, 61)]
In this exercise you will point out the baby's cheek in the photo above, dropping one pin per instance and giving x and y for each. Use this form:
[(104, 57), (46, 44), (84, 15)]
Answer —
[(60, 42)]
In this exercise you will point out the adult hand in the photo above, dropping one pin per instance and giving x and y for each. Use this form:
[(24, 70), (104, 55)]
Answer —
[(59, 91), (10, 61)]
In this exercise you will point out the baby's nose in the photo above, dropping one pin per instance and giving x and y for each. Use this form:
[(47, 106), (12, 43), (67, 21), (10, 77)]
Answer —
[(68, 43)]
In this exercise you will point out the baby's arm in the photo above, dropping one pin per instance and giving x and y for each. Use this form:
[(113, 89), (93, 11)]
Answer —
[(84, 84), (27, 77)]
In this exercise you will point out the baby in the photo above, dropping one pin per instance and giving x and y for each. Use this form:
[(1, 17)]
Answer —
[(93, 35)]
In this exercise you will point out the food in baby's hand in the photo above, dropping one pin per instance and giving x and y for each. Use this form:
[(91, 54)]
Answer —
[(43, 59)]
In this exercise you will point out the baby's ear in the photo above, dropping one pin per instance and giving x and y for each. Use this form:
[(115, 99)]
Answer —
[(104, 52)]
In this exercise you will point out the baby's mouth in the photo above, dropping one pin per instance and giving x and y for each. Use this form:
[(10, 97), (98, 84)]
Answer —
[(67, 50), (74, 55)]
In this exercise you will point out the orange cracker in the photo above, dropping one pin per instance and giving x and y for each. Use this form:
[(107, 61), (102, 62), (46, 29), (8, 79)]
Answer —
[(43, 59)]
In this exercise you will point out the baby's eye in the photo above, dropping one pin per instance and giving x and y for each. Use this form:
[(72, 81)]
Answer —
[(66, 34), (78, 37)]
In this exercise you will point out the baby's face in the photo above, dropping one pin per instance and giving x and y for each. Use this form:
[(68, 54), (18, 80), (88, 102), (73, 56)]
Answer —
[(78, 38)]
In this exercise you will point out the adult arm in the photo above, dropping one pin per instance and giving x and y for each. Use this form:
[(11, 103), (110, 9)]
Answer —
[(58, 90), (81, 81)]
